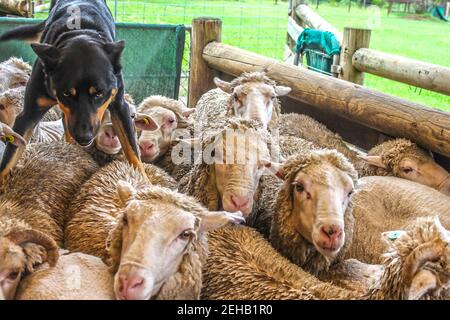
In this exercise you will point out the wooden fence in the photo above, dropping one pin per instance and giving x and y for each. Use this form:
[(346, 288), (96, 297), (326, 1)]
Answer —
[(366, 114)]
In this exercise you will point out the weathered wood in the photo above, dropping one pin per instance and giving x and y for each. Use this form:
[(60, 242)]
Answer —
[(201, 78), (314, 21), (22, 8), (354, 39), (385, 113), (293, 29), (414, 72), (447, 8)]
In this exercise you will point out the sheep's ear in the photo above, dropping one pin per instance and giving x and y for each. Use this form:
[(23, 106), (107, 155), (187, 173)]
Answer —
[(216, 219), (223, 85), (282, 90), (274, 168), (422, 282), (125, 191), (187, 112), (9, 135), (145, 122), (373, 161)]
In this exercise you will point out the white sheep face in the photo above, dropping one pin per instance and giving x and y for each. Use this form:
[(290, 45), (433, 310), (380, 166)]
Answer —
[(154, 144), (156, 236), (253, 100), (320, 197), (12, 264), (237, 177)]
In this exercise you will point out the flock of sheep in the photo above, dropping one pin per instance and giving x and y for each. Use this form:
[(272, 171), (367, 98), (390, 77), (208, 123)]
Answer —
[(303, 215)]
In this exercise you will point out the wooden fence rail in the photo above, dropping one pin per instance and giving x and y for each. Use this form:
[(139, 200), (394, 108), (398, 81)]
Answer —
[(414, 72), (391, 115)]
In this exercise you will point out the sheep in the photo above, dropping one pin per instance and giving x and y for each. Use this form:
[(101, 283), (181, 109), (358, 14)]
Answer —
[(404, 159), (76, 276), (8, 134), (243, 265), (169, 114), (389, 203), (33, 201), (398, 157), (417, 264), (304, 213), (250, 96), (297, 216), (103, 222), (229, 179), (14, 72), (11, 104)]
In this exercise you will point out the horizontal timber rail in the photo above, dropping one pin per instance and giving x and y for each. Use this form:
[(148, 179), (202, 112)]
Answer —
[(413, 72), (391, 115), (314, 21)]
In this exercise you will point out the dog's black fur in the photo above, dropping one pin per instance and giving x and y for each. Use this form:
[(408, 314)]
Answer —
[(80, 70)]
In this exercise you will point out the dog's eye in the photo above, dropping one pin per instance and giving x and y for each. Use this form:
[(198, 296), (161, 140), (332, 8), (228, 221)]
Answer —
[(71, 92), (99, 94)]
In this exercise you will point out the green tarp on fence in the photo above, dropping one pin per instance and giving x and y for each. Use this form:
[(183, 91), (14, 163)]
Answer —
[(151, 61)]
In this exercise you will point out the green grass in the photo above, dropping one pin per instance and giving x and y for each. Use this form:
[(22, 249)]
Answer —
[(260, 26), (426, 40)]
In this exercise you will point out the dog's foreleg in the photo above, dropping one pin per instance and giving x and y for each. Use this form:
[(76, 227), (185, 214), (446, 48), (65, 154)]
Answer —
[(124, 128)]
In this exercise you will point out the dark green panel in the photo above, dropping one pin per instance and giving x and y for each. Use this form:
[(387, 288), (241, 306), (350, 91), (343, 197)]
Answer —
[(151, 61)]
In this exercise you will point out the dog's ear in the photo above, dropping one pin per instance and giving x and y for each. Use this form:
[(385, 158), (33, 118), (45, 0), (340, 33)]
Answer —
[(47, 53), (114, 52)]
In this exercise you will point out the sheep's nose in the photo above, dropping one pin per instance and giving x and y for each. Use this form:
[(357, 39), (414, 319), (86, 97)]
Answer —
[(110, 133), (239, 201), (130, 287), (145, 146), (332, 232)]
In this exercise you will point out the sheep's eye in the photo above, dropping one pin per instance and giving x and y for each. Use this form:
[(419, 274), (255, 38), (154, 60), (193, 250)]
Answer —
[(185, 235), (407, 170), (236, 98), (13, 275), (66, 93), (125, 221), (350, 193), (299, 187), (2, 107), (273, 97), (171, 120)]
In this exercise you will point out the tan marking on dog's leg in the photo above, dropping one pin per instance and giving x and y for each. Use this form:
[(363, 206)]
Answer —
[(44, 102), (132, 157), (67, 136)]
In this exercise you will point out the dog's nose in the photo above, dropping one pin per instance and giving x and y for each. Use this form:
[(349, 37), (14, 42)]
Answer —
[(84, 140)]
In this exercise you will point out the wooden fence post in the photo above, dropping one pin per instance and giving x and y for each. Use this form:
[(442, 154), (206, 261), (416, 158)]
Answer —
[(353, 40), (201, 77)]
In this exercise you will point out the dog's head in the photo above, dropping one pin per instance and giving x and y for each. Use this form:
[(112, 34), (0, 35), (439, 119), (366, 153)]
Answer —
[(82, 75)]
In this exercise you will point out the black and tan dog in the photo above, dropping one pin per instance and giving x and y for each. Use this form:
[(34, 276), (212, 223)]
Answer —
[(78, 68)]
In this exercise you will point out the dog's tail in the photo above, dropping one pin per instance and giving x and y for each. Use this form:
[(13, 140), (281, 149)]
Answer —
[(27, 33)]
